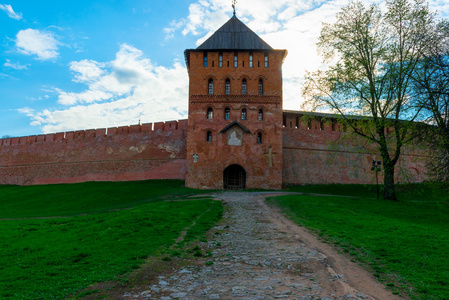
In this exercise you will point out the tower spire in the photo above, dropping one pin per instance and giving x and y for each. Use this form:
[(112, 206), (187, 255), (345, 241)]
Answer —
[(234, 2)]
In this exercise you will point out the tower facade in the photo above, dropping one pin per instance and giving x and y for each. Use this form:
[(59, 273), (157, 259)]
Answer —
[(234, 136)]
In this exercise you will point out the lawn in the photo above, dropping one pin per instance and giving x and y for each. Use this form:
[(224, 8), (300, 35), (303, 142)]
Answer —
[(108, 229), (405, 243)]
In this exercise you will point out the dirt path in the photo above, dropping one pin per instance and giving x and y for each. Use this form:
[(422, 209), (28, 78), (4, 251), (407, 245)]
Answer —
[(263, 255)]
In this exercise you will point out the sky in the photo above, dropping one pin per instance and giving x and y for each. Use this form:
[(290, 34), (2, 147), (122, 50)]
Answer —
[(85, 64)]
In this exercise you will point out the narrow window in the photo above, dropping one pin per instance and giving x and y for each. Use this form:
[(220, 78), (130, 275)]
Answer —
[(259, 138), (205, 59), (321, 125), (244, 87), (284, 121), (236, 61), (209, 136), (228, 87), (333, 125), (210, 114), (309, 124), (244, 114), (212, 63), (258, 64), (266, 60), (227, 114), (260, 116), (220, 59), (243, 63), (250, 59), (260, 87), (211, 87), (297, 122), (228, 63)]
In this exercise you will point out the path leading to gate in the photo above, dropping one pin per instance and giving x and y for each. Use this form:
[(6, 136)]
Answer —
[(263, 255)]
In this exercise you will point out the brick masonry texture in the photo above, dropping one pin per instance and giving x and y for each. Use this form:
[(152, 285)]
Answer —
[(138, 152)]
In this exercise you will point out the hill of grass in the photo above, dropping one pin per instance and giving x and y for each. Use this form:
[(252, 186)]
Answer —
[(405, 243), (113, 227)]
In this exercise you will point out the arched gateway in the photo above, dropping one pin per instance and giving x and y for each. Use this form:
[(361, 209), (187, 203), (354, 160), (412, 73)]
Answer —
[(234, 177)]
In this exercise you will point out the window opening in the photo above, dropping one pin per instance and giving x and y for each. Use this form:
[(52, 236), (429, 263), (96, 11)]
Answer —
[(244, 87), (284, 121), (250, 59), (333, 125), (259, 138), (236, 62), (266, 60), (205, 59), (228, 63), (209, 136), (212, 63), (260, 87), (211, 87), (210, 114), (309, 124), (244, 114), (321, 125), (228, 87), (297, 122), (260, 116), (220, 59), (227, 114)]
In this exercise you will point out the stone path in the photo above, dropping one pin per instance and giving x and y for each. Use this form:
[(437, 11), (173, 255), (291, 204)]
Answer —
[(262, 255)]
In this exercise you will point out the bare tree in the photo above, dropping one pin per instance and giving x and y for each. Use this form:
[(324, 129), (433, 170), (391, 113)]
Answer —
[(431, 83), (371, 56)]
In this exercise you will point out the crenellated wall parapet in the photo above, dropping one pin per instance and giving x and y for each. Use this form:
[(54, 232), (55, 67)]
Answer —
[(134, 152)]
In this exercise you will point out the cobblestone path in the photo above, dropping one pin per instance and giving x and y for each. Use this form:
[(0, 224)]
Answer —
[(262, 255)]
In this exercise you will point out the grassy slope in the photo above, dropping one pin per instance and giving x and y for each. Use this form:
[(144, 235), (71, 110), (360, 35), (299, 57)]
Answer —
[(51, 258), (407, 241)]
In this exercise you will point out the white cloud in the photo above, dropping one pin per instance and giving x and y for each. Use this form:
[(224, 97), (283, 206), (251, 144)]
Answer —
[(118, 92), (16, 66), (283, 24), (8, 9), (35, 42)]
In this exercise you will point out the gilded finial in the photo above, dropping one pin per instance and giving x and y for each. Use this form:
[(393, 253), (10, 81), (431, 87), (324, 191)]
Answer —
[(234, 2)]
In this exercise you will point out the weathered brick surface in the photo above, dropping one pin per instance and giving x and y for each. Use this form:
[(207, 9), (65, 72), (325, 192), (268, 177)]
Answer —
[(124, 153), (312, 155), (215, 156)]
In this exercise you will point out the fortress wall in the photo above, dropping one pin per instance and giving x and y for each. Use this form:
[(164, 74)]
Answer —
[(137, 152), (315, 155)]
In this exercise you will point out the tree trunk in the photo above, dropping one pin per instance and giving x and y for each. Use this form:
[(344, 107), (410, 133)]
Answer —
[(389, 190)]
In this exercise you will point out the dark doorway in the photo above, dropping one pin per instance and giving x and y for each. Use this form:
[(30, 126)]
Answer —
[(234, 177)]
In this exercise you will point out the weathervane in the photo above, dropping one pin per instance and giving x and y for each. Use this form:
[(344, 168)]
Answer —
[(234, 2)]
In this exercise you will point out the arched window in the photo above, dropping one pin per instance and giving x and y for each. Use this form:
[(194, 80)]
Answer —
[(244, 114), (228, 87), (227, 113), (260, 87), (260, 116), (211, 87), (259, 137), (210, 113), (209, 136), (244, 87)]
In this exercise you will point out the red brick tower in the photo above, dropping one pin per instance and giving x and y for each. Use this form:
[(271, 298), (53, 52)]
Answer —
[(234, 137)]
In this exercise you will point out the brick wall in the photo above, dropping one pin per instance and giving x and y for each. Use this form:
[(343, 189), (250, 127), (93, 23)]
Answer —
[(313, 154), (138, 152)]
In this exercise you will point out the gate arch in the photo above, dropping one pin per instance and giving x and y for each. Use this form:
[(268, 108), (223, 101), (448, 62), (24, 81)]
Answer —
[(234, 177)]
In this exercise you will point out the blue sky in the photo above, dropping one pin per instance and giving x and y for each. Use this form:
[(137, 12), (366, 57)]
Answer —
[(68, 65)]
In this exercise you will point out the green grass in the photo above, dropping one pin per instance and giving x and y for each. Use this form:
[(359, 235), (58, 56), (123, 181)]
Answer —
[(55, 257), (406, 243)]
